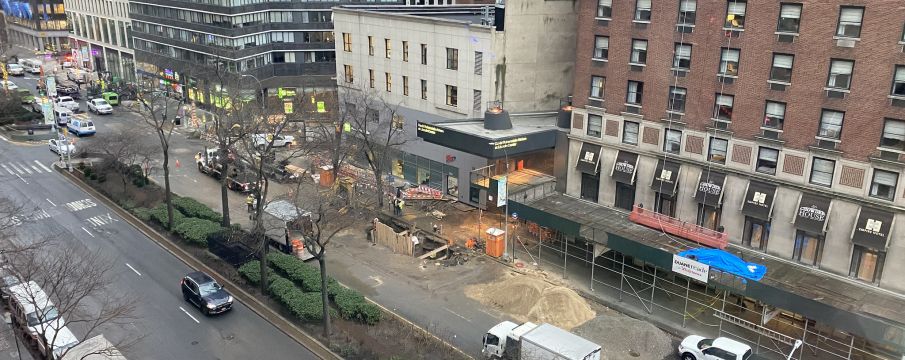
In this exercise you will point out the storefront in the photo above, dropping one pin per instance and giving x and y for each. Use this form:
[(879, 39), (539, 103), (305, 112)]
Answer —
[(623, 173), (664, 184), (709, 195), (810, 222)]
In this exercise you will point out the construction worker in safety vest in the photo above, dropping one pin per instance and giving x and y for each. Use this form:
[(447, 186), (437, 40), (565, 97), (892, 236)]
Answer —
[(250, 202)]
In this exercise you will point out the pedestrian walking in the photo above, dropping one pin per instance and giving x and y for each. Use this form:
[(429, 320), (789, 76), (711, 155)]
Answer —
[(250, 202), (396, 206), (401, 206)]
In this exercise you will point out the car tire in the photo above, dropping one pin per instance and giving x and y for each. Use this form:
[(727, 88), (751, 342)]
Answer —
[(205, 310), (688, 356)]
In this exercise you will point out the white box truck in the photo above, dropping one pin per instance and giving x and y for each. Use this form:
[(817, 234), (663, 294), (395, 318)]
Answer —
[(529, 341)]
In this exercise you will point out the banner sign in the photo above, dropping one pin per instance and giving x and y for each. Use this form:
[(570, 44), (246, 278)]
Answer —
[(690, 268)]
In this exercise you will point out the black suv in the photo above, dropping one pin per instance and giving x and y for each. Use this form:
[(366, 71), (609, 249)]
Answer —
[(203, 291)]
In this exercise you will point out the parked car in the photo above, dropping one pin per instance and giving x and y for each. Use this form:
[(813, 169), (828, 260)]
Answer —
[(99, 106), (67, 102), (204, 292), (262, 140), (61, 147), (15, 69), (63, 115), (697, 347), (81, 127), (8, 85), (69, 91), (26, 95)]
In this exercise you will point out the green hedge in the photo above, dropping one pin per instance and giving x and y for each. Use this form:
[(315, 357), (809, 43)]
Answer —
[(194, 209), (306, 306), (251, 271), (142, 213), (354, 306), (159, 214), (304, 275), (196, 231)]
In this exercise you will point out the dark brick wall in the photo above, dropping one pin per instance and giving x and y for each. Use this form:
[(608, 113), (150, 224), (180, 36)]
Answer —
[(865, 107)]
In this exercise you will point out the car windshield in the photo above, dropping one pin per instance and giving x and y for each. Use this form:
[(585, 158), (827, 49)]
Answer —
[(100, 102), (705, 343), (47, 314), (90, 123), (209, 288)]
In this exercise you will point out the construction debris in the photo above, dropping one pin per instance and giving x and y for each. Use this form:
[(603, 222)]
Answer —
[(527, 298)]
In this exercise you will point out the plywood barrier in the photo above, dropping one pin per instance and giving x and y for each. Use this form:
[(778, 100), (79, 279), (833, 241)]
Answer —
[(400, 243)]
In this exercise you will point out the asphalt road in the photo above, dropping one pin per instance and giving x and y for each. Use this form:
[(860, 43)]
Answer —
[(170, 327)]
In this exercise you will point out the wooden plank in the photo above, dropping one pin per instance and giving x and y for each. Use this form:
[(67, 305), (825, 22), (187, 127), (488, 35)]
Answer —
[(432, 253)]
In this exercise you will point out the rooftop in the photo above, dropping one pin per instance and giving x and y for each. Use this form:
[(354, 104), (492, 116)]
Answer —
[(471, 14), (522, 124)]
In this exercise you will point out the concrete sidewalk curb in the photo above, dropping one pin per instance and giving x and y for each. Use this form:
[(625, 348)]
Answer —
[(258, 307)]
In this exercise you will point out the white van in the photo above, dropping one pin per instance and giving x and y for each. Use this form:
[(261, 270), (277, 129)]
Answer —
[(63, 115), (81, 127), (32, 310)]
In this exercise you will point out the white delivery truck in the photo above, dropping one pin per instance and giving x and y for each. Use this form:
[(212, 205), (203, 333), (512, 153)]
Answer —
[(529, 341)]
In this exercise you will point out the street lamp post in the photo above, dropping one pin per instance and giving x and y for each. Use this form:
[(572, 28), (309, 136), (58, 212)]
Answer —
[(260, 87)]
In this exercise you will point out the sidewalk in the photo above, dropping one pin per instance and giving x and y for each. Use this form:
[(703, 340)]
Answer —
[(11, 347)]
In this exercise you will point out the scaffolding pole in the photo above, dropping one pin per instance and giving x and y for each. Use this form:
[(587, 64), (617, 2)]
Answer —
[(687, 294)]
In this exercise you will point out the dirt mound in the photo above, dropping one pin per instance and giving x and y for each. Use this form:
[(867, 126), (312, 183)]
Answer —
[(531, 299), (624, 337)]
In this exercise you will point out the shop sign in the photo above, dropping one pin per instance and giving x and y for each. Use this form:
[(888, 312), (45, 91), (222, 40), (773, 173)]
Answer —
[(501, 191), (690, 268), (510, 143), (427, 128)]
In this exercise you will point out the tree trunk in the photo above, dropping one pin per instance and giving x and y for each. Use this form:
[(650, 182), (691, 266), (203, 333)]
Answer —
[(322, 261), (224, 190), (264, 269), (378, 180), (166, 181), (337, 145)]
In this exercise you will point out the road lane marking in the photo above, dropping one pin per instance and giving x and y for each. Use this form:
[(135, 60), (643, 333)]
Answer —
[(3, 138), (24, 167), (51, 202), (20, 178), (80, 205), (133, 269), (7, 169), (42, 166), (16, 168), (189, 315), (34, 168), (454, 313), (86, 230)]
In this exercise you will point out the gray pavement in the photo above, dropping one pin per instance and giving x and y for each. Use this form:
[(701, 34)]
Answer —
[(168, 331)]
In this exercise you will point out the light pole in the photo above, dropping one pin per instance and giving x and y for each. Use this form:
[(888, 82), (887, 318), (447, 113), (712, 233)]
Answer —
[(261, 88)]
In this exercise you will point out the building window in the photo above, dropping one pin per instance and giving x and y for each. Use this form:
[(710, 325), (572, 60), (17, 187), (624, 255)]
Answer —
[(687, 12), (405, 51), (840, 74), (595, 125), (767, 159), (807, 247), (604, 9), (898, 81), (642, 10), (735, 15), (388, 48), (822, 171), (389, 82), (850, 22), (722, 107), (893, 135), (452, 59), (682, 58), (423, 89), (789, 18), (476, 101), (371, 79), (347, 42), (371, 45), (757, 232), (676, 99), (405, 85), (478, 62), (350, 78), (639, 52), (630, 130), (635, 93), (597, 83), (665, 204), (867, 264), (423, 54), (774, 115), (782, 68), (452, 95), (718, 149), (709, 217), (673, 143), (831, 124), (601, 47), (625, 196), (729, 62), (590, 186), (883, 185)]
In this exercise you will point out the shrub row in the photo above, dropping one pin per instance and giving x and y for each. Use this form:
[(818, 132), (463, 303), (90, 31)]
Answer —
[(251, 271), (159, 215), (195, 209), (354, 306), (196, 231), (307, 306), (305, 276)]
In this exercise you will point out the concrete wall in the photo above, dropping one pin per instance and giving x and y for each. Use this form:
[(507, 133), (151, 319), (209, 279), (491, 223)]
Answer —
[(538, 58)]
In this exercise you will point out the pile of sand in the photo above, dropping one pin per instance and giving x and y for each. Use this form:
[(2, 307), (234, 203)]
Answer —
[(623, 337), (531, 299)]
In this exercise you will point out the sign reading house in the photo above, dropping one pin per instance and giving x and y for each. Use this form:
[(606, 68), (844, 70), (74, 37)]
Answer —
[(690, 268), (812, 213), (759, 200), (872, 229), (710, 188), (624, 167), (666, 177)]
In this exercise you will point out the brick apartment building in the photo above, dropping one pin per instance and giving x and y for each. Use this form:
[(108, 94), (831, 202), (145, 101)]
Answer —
[(778, 125)]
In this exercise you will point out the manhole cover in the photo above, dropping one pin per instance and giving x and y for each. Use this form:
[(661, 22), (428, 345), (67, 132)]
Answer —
[(634, 353), (195, 342)]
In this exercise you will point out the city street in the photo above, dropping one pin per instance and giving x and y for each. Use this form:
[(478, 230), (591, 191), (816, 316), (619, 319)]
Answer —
[(170, 327)]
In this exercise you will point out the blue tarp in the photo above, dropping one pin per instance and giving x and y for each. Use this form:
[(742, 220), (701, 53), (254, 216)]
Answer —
[(727, 262)]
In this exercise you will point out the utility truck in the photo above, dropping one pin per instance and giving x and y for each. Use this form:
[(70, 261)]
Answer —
[(529, 341)]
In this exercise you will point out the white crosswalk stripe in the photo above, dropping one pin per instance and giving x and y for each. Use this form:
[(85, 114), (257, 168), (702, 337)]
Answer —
[(16, 168), (7, 169), (42, 166), (25, 167)]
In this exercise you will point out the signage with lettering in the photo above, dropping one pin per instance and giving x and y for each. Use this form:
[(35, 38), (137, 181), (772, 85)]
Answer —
[(501, 191), (430, 129), (872, 228), (812, 213), (588, 158), (710, 188), (758, 201), (666, 177), (690, 268), (624, 167), (484, 143)]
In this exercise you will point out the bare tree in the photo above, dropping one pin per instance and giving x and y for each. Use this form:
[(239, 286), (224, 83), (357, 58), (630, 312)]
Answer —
[(376, 127), (76, 282), (124, 149), (157, 109)]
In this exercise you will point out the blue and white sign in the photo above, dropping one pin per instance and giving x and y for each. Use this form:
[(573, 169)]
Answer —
[(501, 191), (51, 86)]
